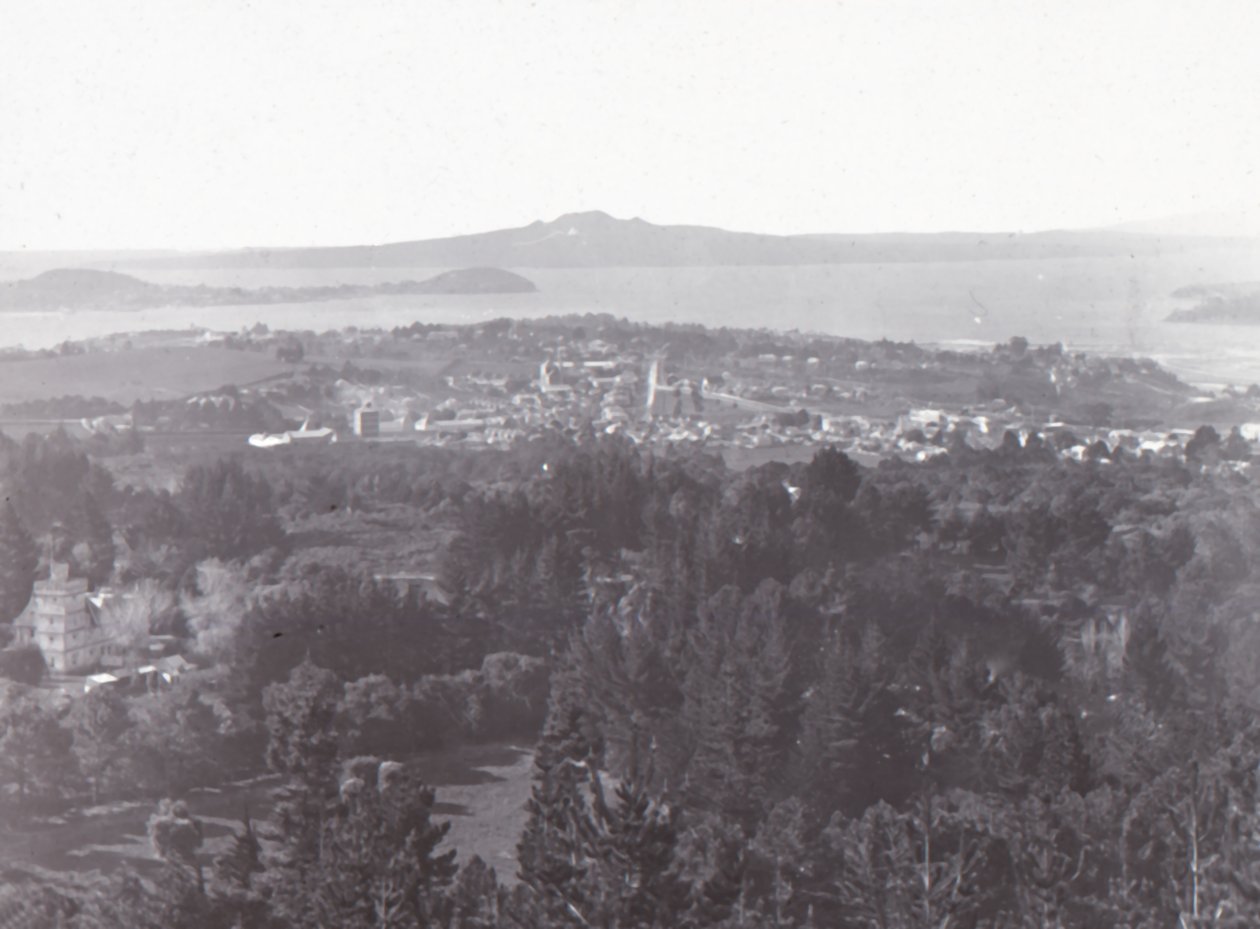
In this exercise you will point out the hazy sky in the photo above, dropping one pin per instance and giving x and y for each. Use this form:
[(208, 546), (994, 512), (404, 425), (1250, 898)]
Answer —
[(199, 123)]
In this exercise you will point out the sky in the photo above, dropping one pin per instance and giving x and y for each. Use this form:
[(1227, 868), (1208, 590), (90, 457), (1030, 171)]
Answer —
[(216, 123)]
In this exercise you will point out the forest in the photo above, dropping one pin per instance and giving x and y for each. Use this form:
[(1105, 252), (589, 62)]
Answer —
[(994, 689)]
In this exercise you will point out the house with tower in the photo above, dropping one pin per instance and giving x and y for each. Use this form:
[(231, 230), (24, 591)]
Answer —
[(64, 622)]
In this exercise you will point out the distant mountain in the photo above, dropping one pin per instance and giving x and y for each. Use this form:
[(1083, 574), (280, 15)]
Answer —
[(88, 289), (1214, 225), (595, 239)]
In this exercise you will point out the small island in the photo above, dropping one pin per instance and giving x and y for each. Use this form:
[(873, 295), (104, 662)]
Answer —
[(1219, 303), (92, 289)]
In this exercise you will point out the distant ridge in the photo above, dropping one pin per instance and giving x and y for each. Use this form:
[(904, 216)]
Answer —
[(595, 239), (87, 288), (1217, 225)]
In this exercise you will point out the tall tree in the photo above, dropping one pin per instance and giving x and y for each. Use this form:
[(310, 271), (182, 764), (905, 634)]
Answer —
[(635, 880), (236, 867), (217, 609), (35, 752), (172, 900), (474, 900), (378, 866), (94, 550), (228, 511), (551, 852), (739, 704), (300, 713), (177, 836), (933, 866), (177, 739), (98, 721), (853, 748), (141, 610), (18, 563)]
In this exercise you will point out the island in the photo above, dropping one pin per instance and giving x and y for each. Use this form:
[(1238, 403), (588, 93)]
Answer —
[(93, 289)]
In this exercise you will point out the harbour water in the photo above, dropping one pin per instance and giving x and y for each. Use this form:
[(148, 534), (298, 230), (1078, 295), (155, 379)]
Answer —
[(1108, 305)]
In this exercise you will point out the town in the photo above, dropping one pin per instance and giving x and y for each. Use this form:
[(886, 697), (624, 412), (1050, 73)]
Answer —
[(747, 397), (500, 382)]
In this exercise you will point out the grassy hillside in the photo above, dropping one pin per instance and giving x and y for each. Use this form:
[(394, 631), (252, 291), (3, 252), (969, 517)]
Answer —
[(134, 374)]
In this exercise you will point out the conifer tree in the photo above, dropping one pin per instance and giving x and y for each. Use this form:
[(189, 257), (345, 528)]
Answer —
[(553, 848), (235, 868), (170, 901), (228, 511), (176, 837), (739, 704), (830, 753), (633, 862), (95, 550), (718, 896), (779, 858), (473, 901), (18, 563), (934, 865), (378, 864)]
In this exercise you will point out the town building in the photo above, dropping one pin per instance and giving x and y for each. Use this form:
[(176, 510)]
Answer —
[(64, 623), (367, 421)]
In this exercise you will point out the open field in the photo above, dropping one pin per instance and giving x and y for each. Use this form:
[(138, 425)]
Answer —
[(481, 790), (134, 374)]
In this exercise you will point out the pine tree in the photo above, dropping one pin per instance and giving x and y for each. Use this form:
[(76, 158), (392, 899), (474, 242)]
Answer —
[(235, 868), (830, 754), (628, 684), (552, 852), (714, 707), (765, 667), (170, 901), (18, 563), (933, 865), (718, 896), (378, 864), (633, 863), (228, 511), (1064, 870), (95, 552), (779, 856), (473, 901), (1032, 745), (736, 704)]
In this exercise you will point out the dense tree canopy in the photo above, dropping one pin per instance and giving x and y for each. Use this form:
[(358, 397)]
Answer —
[(995, 689)]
